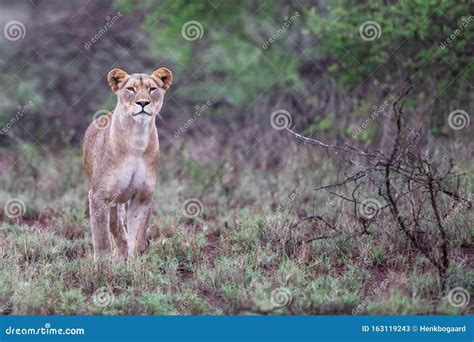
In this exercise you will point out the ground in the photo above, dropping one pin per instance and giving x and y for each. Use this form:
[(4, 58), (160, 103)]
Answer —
[(240, 252)]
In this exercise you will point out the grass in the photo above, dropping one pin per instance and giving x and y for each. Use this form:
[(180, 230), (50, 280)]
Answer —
[(240, 256)]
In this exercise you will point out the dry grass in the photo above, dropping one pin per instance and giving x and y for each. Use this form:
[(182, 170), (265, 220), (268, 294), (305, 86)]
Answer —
[(240, 256)]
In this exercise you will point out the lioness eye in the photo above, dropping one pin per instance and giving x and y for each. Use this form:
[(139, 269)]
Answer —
[(130, 89), (152, 89)]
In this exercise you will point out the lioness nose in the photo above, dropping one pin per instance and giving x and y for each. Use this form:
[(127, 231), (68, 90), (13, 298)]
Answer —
[(143, 103)]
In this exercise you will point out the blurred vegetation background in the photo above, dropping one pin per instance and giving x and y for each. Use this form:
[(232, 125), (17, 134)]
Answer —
[(318, 68)]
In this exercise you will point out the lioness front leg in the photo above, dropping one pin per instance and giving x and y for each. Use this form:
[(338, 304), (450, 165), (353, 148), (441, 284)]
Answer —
[(118, 230), (137, 223), (99, 217)]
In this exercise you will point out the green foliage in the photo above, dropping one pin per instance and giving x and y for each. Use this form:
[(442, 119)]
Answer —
[(323, 124), (408, 46), (379, 256), (72, 302), (229, 59), (31, 154), (157, 303)]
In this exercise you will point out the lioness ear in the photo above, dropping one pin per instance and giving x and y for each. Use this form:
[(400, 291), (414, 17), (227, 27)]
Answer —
[(165, 76), (115, 78)]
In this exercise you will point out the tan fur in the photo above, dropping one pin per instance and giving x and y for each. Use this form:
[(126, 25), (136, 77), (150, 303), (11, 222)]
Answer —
[(121, 153)]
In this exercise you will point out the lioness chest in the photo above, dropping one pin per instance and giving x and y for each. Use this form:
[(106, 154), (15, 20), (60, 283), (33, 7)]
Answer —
[(132, 176)]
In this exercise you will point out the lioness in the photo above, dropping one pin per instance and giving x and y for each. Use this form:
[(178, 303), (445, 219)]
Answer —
[(121, 153)]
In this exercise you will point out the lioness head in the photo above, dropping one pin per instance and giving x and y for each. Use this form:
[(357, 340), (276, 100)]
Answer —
[(139, 96)]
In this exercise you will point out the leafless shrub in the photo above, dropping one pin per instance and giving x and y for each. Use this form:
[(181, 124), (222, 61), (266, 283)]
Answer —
[(403, 187)]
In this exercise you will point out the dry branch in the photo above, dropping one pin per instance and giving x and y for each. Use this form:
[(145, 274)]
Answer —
[(406, 181)]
